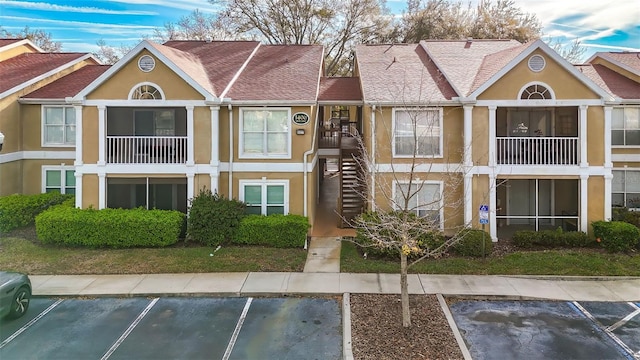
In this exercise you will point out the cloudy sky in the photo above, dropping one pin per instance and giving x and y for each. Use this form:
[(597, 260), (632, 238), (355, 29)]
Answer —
[(600, 25)]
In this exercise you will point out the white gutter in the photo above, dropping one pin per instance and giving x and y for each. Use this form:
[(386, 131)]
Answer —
[(304, 161), (230, 109), (373, 158)]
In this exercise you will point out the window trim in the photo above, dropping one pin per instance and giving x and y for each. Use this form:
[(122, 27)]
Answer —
[(263, 187), (622, 146), (624, 170), (242, 154), (424, 182), (552, 94), (140, 84), (63, 176), (43, 126), (440, 155)]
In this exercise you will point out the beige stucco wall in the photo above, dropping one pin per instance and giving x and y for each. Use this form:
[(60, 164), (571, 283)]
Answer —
[(595, 136), (90, 135), (121, 83), (10, 124), (90, 194), (32, 173), (480, 135), (11, 178), (202, 135), (564, 84), (21, 49), (595, 205)]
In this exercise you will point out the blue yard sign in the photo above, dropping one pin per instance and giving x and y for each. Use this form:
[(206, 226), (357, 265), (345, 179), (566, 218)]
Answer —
[(484, 214)]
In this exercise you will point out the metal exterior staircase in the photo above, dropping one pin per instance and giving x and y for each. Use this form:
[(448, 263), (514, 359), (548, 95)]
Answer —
[(352, 186)]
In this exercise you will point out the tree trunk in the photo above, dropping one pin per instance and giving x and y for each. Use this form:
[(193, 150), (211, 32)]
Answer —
[(404, 291)]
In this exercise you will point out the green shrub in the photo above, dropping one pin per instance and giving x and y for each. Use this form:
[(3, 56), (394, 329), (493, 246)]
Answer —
[(281, 231), (115, 228), (426, 240), (213, 219), (525, 238), (623, 214), (616, 236), (550, 238), (20, 210), (470, 243)]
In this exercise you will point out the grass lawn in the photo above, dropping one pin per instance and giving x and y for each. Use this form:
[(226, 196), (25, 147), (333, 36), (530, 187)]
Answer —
[(582, 262), (19, 254)]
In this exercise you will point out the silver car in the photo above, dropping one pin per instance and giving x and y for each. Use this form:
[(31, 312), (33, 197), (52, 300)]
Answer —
[(15, 294)]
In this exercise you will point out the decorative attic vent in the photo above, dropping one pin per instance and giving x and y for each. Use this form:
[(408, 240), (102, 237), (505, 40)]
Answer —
[(536, 92), (146, 63), (536, 63)]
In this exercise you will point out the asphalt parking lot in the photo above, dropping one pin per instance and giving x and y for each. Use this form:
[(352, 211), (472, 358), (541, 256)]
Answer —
[(549, 330), (175, 328)]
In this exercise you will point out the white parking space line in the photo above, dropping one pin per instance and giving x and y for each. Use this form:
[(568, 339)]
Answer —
[(236, 331), (129, 330), (27, 325), (623, 321), (606, 330)]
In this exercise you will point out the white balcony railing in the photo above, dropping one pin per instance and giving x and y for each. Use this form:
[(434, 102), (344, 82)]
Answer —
[(537, 150), (146, 149)]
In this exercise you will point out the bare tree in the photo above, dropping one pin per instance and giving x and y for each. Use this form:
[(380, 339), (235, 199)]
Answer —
[(109, 55), (39, 37), (442, 19), (337, 24), (573, 53)]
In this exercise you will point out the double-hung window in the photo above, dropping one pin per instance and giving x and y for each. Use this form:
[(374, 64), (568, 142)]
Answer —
[(265, 197), (626, 189), (60, 179), (424, 198), (58, 126), (265, 133), (417, 132), (625, 126)]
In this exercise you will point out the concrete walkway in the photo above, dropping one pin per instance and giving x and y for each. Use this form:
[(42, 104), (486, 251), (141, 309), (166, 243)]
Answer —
[(259, 283), (323, 255)]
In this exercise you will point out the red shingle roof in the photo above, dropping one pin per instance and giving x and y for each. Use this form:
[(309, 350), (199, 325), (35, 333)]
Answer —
[(69, 85), (492, 63), (25, 67), (400, 73), (611, 81), (340, 89), (219, 61), (462, 60), (280, 72), (627, 58), (5, 42)]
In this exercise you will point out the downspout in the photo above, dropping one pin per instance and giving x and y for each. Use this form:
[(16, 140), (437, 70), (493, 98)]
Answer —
[(304, 167), (230, 109), (373, 158)]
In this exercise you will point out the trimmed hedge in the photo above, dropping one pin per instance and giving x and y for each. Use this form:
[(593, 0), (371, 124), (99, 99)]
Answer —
[(470, 243), (19, 210), (213, 219), (115, 228), (426, 240), (551, 238), (623, 214), (281, 231), (616, 236)]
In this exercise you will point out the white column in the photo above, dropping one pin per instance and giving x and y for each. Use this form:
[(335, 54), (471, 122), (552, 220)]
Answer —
[(584, 206), (468, 165), (78, 176), (102, 115), (190, 136), (190, 185), (215, 147), (102, 190), (583, 135), (607, 137), (608, 178), (493, 224), (492, 135), (78, 109)]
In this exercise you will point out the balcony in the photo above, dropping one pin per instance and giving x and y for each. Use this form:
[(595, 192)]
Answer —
[(146, 149), (537, 150)]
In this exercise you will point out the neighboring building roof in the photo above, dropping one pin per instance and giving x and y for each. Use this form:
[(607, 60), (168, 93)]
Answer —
[(400, 73), (462, 61), (28, 68), (616, 84), (627, 60), (340, 89), (69, 85), (280, 73), (5, 42), (221, 60)]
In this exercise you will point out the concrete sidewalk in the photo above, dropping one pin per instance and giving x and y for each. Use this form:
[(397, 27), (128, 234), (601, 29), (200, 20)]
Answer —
[(260, 283)]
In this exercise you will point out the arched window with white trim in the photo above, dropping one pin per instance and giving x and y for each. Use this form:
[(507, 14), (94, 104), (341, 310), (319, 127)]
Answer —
[(146, 91), (536, 91)]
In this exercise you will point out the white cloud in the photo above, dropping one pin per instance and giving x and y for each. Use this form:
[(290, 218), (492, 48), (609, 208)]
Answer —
[(611, 47), (190, 5), (74, 9)]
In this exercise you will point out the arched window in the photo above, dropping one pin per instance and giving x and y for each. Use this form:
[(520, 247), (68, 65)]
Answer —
[(146, 92), (536, 92)]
